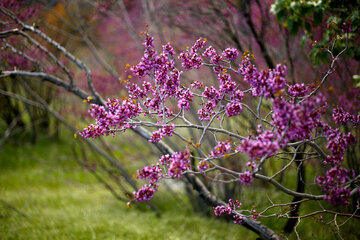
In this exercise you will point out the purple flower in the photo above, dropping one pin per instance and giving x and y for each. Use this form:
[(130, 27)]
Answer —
[(297, 119), (153, 173), (135, 91), (209, 52), (203, 166), (212, 94), (197, 84), (337, 141), (191, 59), (215, 59), (234, 204), (342, 117), (166, 130), (207, 111), (178, 163), (333, 183), (237, 96), (266, 82), (219, 210), (263, 145), (115, 117), (298, 90), (185, 96), (245, 178), (165, 160), (226, 85), (149, 41), (231, 54), (238, 219), (233, 108), (145, 193), (220, 149), (169, 49), (200, 43)]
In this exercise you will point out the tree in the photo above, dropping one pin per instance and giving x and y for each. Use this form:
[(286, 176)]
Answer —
[(323, 21), (287, 117)]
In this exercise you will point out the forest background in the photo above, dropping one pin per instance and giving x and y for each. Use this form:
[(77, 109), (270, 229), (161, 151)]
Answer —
[(56, 185)]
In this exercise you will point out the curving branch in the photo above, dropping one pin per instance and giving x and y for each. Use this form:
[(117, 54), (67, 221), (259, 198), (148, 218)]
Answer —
[(57, 46)]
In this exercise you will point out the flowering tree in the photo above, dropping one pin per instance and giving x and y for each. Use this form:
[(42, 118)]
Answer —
[(289, 121), (289, 125)]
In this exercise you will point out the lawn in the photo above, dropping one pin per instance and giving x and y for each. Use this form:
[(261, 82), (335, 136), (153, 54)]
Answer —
[(55, 198)]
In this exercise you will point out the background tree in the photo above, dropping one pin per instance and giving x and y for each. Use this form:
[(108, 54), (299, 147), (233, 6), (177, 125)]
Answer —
[(79, 83)]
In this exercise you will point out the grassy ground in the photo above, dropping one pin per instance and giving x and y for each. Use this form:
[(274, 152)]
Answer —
[(57, 199)]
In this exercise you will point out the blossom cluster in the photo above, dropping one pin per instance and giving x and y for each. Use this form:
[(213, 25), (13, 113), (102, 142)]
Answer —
[(211, 53), (166, 130), (145, 193), (175, 164), (294, 117), (229, 209), (333, 182), (166, 79), (191, 58), (232, 206), (231, 54), (220, 149), (297, 120), (111, 118), (264, 144), (333, 185), (298, 90), (337, 141), (233, 108), (178, 163), (263, 82), (214, 96), (203, 165), (153, 173), (342, 117), (245, 178)]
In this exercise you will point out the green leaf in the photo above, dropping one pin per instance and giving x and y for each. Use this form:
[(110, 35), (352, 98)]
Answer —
[(293, 26), (307, 27), (305, 10), (281, 15), (349, 53), (357, 54), (318, 17), (278, 6), (322, 57)]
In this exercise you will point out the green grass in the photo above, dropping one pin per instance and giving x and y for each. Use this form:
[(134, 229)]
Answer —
[(63, 201)]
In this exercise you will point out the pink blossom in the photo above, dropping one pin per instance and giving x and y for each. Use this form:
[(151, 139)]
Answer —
[(220, 149), (231, 53), (245, 178), (145, 193)]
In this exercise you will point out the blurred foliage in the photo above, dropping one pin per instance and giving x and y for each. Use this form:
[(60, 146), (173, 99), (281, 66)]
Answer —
[(357, 80), (325, 24)]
